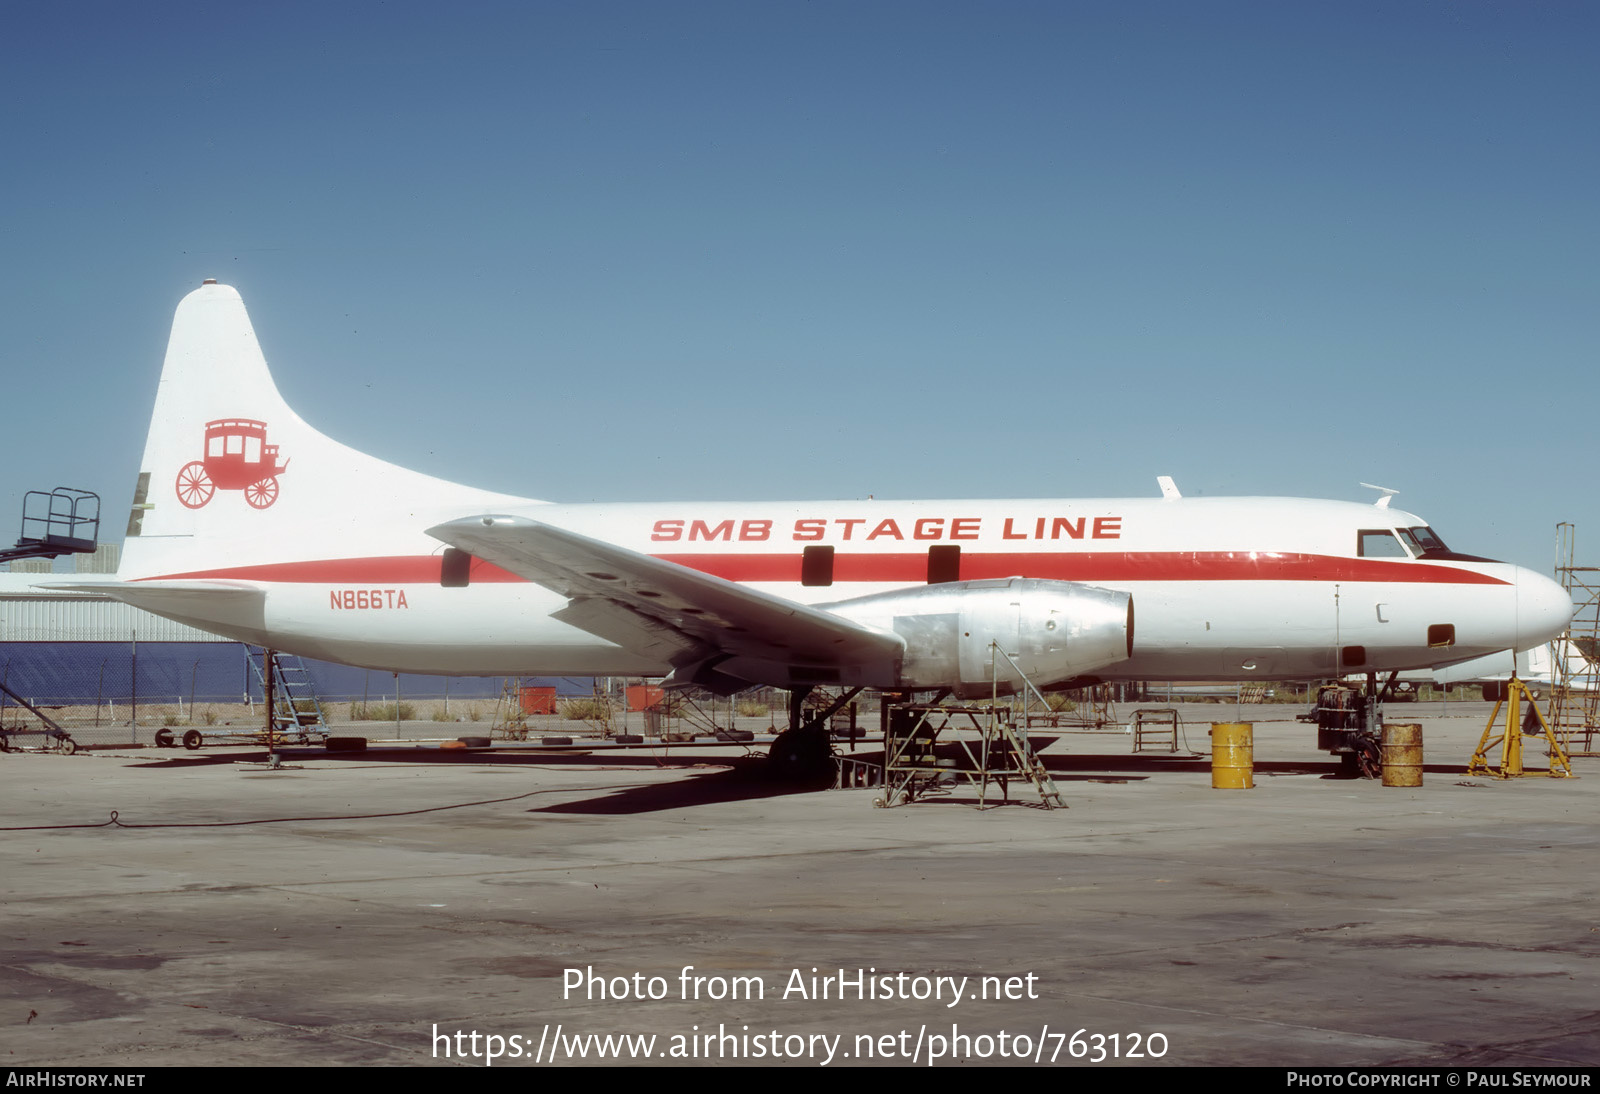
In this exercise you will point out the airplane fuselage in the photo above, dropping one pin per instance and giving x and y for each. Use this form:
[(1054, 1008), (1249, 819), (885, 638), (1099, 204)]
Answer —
[(1224, 588), (250, 522)]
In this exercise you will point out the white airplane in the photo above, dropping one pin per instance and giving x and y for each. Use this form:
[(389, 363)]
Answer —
[(250, 523)]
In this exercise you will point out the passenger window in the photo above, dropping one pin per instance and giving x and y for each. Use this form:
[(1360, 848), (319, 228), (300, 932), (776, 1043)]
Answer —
[(944, 563), (1379, 544), (816, 566)]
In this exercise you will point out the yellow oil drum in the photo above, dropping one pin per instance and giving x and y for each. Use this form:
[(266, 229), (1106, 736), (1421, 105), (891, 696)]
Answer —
[(1402, 754), (1232, 755)]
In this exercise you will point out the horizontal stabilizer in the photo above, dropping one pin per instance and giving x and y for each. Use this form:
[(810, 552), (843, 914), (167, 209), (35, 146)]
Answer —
[(163, 596)]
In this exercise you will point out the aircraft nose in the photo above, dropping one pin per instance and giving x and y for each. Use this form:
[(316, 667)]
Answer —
[(1543, 609)]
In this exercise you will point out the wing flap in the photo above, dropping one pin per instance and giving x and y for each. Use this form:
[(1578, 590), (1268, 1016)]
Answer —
[(627, 628)]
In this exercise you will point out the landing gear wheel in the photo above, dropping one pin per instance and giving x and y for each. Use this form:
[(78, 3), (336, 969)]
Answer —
[(194, 485), (801, 754), (1369, 758), (261, 494), (164, 738), (192, 739)]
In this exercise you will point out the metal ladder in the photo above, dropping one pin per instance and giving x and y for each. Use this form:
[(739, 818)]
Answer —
[(1031, 767), (296, 710)]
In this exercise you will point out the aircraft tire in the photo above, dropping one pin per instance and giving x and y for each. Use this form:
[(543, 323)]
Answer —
[(346, 744), (628, 739), (555, 740), (475, 742), (801, 755), (164, 738)]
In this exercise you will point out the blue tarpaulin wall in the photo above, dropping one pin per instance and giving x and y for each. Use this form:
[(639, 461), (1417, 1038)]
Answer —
[(61, 673)]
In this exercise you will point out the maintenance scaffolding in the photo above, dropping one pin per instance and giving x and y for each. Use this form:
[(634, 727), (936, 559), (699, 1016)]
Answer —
[(927, 746), (1575, 690)]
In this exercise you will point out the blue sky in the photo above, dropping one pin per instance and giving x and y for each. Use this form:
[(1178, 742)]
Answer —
[(619, 252)]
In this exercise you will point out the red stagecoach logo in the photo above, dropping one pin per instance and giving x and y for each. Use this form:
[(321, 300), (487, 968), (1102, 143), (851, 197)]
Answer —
[(237, 457)]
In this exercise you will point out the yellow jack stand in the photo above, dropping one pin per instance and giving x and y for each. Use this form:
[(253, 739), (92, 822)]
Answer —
[(1510, 742)]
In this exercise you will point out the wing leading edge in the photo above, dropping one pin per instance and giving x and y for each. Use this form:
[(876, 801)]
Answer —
[(713, 632)]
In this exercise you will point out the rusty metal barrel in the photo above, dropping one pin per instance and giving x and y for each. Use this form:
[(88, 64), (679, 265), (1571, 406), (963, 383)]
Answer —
[(1402, 754), (1232, 755)]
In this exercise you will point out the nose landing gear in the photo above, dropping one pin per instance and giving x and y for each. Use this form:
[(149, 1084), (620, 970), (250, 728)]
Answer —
[(1348, 722)]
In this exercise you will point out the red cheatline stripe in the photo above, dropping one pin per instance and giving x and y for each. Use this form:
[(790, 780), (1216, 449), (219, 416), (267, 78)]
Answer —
[(1090, 567), (909, 569)]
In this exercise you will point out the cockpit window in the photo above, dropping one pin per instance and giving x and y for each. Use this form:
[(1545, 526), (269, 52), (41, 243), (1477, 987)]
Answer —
[(1426, 545), (1379, 543), (1426, 538)]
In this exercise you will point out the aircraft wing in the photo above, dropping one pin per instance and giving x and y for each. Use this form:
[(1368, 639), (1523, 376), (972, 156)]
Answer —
[(663, 610)]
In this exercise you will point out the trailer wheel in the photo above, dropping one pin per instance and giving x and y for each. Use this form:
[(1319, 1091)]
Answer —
[(164, 738), (68, 746), (192, 739)]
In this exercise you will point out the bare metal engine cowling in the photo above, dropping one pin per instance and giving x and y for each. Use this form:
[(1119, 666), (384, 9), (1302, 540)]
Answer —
[(1054, 631)]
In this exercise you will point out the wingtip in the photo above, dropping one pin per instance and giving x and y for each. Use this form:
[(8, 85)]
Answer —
[(478, 523)]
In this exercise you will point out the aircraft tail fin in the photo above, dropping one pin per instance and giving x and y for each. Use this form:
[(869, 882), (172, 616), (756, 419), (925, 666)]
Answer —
[(231, 475)]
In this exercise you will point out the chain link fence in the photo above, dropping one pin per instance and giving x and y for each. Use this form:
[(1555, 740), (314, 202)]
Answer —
[(125, 693)]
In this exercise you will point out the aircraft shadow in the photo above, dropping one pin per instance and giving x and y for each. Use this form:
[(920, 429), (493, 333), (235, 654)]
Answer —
[(744, 779)]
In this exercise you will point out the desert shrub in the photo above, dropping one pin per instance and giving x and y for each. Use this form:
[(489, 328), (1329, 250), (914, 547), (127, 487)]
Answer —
[(585, 710)]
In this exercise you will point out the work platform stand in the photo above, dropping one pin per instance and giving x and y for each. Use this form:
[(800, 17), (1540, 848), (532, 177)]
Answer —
[(65, 521), (979, 746), (1575, 696)]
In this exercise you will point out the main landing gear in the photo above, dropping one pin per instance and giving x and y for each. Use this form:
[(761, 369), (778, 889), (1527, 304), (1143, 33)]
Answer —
[(804, 752)]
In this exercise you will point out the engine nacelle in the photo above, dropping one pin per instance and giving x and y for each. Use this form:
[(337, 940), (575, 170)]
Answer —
[(1054, 631)]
